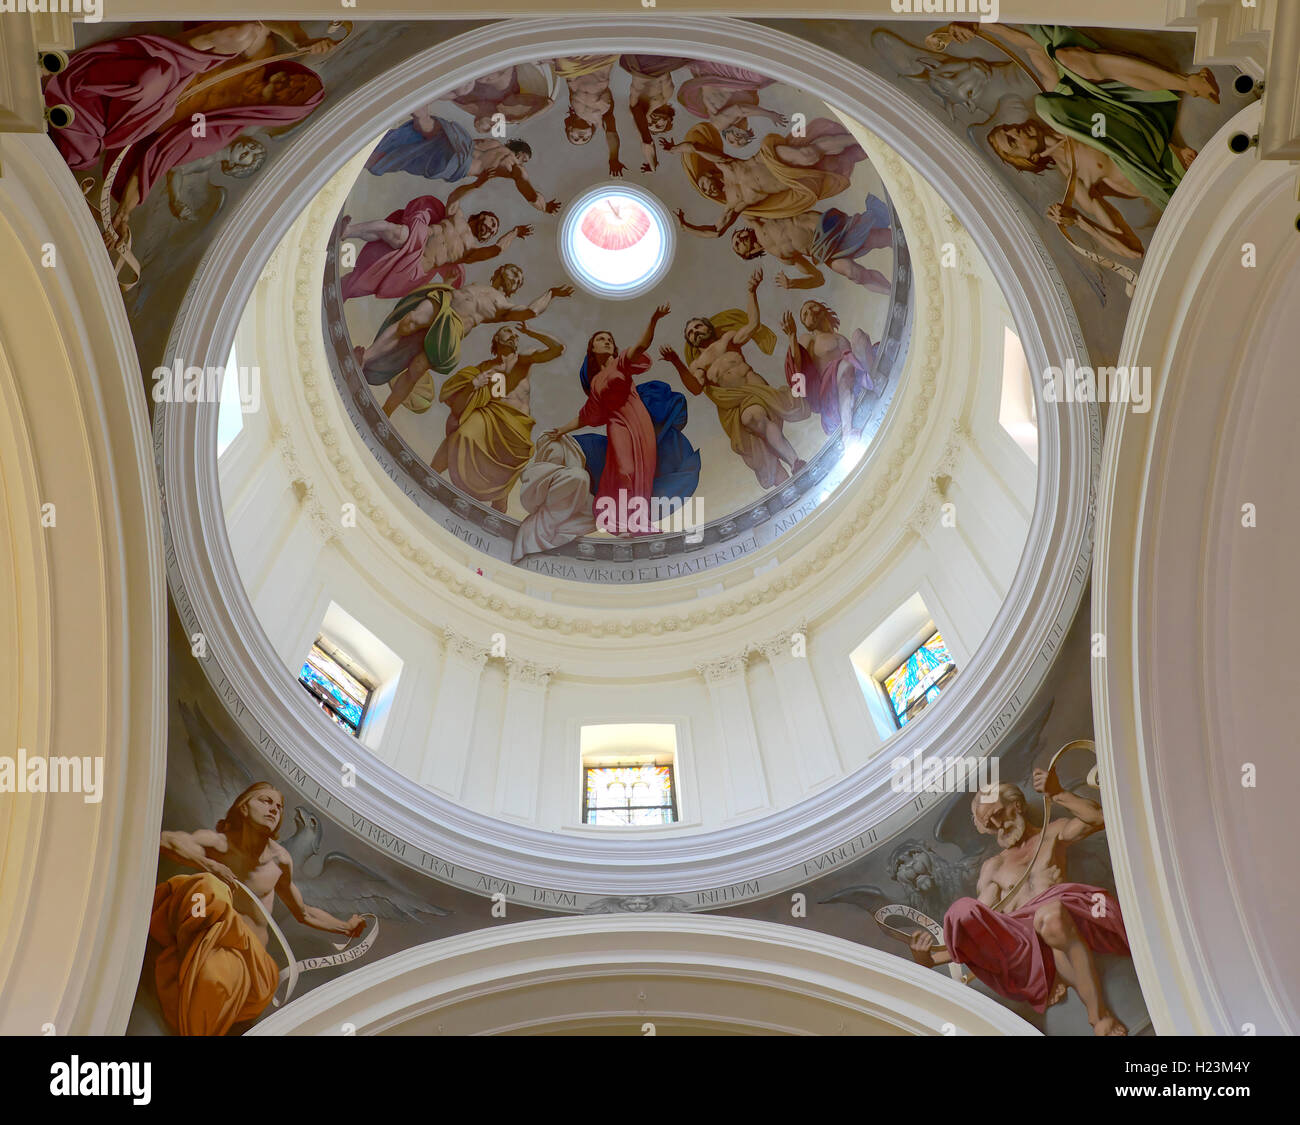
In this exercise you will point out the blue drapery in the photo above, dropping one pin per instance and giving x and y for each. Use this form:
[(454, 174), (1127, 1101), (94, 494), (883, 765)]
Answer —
[(677, 465)]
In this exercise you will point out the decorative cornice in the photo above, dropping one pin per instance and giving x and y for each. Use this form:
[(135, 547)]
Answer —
[(782, 645), (526, 672), (326, 529), (461, 647), (724, 669), (921, 517), (967, 258)]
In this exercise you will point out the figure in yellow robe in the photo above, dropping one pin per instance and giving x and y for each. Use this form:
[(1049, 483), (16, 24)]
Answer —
[(489, 431), (786, 177), (212, 970), (751, 411)]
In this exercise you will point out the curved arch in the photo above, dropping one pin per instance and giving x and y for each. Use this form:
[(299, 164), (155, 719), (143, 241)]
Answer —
[(1187, 595), (83, 666), (676, 971), (747, 860)]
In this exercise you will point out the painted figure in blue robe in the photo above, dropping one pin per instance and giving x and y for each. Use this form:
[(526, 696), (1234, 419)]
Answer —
[(435, 148)]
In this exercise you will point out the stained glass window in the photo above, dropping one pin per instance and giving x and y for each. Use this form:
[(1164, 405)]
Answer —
[(917, 682), (629, 795), (342, 696)]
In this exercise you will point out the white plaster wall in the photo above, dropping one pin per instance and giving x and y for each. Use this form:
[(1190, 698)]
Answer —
[(293, 571), (501, 735)]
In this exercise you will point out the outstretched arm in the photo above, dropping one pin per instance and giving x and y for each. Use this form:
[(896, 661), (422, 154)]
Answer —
[(710, 154), (540, 304), (312, 916), (811, 279), (611, 139), (530, 194), (641, 120), (483, 253), (745, 334), (647, 337), (729, 216), (464, 189), (687, 376)]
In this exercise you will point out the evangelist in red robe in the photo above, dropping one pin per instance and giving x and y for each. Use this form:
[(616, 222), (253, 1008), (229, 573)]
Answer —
[(126, 92), (1005, 952)]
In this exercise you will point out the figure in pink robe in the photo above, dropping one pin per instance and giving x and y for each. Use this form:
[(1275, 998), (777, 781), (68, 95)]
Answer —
[(727, 96), (130, 94), (392, 272), (629, 473), (828, 368)]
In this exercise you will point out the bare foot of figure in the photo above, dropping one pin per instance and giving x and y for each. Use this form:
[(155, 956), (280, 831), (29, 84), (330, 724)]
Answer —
[(798, 467), (1109, 1025), (1059, 992), (1185, 154), (1203, 84)]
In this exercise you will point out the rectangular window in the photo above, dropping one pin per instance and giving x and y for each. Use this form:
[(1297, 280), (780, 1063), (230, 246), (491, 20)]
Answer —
[(1018, 413), (630, 795), (342, 695), (918, 680)]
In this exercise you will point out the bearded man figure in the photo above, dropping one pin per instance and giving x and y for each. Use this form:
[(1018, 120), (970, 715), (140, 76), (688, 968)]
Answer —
[(1041, 939)]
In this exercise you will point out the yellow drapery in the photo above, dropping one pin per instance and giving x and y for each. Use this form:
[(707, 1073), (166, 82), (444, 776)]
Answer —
[(212, 971), (492, 443)]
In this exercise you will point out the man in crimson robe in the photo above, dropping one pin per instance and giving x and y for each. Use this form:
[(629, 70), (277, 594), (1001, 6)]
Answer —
[(137, 98), (1041, 939)]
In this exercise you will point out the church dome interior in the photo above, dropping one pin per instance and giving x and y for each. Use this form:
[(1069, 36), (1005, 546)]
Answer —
[(594, 522)]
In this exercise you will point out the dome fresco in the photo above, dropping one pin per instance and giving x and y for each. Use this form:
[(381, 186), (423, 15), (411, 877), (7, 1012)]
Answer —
[(618, 318)]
